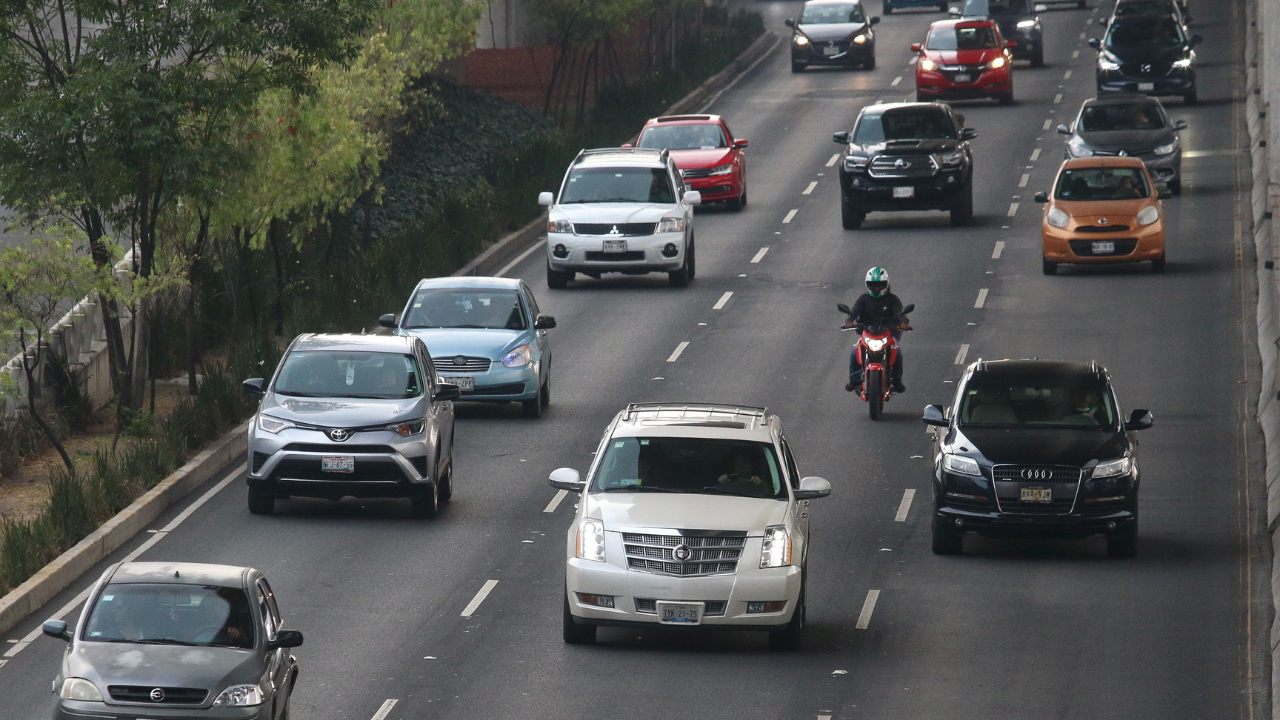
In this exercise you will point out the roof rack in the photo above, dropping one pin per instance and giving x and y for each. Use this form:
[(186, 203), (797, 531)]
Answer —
[(585, 152), (683, 408)]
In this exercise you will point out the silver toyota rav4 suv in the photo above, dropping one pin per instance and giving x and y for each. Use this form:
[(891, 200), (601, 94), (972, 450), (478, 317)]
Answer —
[(623, 210), (352, 415)]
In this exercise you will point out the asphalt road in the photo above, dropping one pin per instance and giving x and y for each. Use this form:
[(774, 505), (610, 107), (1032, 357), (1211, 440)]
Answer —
[(1028, 629)]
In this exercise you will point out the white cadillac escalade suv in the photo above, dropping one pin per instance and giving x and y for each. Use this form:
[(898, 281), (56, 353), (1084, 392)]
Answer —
[(691, 515)]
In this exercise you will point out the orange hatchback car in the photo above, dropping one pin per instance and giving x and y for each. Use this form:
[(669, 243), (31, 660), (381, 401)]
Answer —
[(1103, 210)]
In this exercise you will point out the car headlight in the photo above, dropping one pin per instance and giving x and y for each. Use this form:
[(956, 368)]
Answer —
[(591, 540), (853, 162), (776, 550), (860, 39), (720, 170), (273, 425), (928, 65), (800, 40), (1167, 149), (960, 465), (74, 688), (240, 696), (1108, 62), (997, 63), (405, 429), (951, 159), (1148, 215), (518, 357), (560, 225), (1079, 149), (1112, 468), (1184, 62), (672, 224), (1058, 218), (1026, 24), (875, 344)]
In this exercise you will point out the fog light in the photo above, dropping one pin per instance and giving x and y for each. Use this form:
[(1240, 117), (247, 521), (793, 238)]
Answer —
[(605, 601), (670, 250), (959, 522), (951, 179), (1111, 525), (560, 251), (766, 607), (857, 182)]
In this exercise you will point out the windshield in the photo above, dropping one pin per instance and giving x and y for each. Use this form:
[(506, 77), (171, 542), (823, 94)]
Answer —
[(202, 615), (1076, 402), (456, 308), (683, 137), (903, 125), (1106, 118), (690, 465), (342, 374), (1148, 30), (962, 38), (627, 184), (1144, 7), (1008, 7), (832, 14), (1123, 183)]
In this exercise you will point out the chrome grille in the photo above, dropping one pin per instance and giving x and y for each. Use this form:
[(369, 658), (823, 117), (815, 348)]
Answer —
[(904, 166), (707, 555), (649, 606), (1053, 473), (692, 173), (461, 364)]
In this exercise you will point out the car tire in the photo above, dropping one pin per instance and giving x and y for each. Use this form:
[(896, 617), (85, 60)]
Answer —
[(798, 67), (1037, 60), (734, 204), (533, 408), (1049, 268), (744, 197), (1005, 98), (788, 639), (851, 217), (1157, 265), (691, 259), (946, 541), (444, 490), (1190, 98), (887, 9), (1175, 187), (964, 213), (680, 278), (558, 280), (425, 502), (870, 64), (261, 503), (546, 390), (575, 633), (1123, 544)]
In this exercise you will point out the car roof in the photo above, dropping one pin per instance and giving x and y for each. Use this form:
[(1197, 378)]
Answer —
[(879, 108), (349, 342), (615, 157), (965, 22), (1121, 99), (833, 2), (1102, 161), (470, 282), (686, 119), (1037, 368), (709, 420), (179, 573)]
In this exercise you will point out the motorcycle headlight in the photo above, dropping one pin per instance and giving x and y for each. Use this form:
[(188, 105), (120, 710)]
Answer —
[(997, 63), (1079, 149), (671, 224), (74, 688), (272, 425), (960, 465), (853, 162), (776, 549), (1167, 149), (405, 429), (722, 170), (928, 65), (1112, 468), (800, 40), (1058, 218), (860, 39), (1148, 215), (876, 344), (951, 159), (1184, 62), (240, 696), (559, 225), (1026, 24), (518, 357), (591, 540)]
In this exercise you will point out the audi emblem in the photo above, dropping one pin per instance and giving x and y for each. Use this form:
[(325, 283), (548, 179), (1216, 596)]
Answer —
[(1030, 474), (338, 435), (157, 695), (681, 552)]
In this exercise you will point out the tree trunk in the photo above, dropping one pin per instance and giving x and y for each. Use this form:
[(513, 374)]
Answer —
[(202, 236), (95, 231), (29, 369), (273, 233)]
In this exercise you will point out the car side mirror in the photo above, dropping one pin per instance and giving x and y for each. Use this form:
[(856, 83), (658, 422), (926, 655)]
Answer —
[(915, 47), (566, 479), (1179, 124), (968, 133), (841, 138), (544, 322), (812, 488), (1041, 8), (1063, 129), (843, 308), (934, 416), (1095, 43), (875, 20), (740, 143), (1139, 420), (56, 629), (254, 387), (388, 320), (954, 11), (1011, 43), (1164, 193), (546, 199), (1042, 197), (789, 22), (693, 197), (285, 639), (1194, 41), (446, 391)]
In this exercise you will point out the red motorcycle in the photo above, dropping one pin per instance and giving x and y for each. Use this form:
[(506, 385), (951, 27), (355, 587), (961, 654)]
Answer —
[(877, 352)]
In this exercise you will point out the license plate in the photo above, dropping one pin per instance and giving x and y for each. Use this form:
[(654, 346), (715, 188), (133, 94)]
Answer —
[(1036, 494), (904, 192), (338, 464), (963, 77), (1146, 87), (465, 383), (615, 245), (829, 51), (1104, 247), (670, 613)]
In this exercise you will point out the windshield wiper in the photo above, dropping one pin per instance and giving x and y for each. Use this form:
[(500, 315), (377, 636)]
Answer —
[(608, 200), (294, 394), (163, 641), (723, 491)]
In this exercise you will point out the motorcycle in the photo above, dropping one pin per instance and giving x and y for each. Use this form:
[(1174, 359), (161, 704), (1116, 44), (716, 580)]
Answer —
[(877, 350)]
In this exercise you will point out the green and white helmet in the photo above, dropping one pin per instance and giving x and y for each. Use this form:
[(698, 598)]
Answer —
[(877, 281)]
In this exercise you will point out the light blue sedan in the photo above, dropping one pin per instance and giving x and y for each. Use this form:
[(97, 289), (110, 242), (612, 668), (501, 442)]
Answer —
[(486, 335)]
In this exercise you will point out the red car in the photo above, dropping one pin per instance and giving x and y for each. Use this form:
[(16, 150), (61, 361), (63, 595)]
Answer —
[(964, 59), (710, 158)]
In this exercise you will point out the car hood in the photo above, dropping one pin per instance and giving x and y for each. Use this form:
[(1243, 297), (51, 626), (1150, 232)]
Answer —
[(963, 57), (446, 343), (340, 412), (210, 668), (616, 212), (834, 31), (1056, 446), (1157, 55), (1117, 212), (1131, 141), (689, 159), (685, 511), (908, 147)]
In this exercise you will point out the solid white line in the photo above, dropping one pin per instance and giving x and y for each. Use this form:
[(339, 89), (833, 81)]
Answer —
[(679, 349), (896, 81), (1066, 75), (1057, 98), (1075, 55), (982, 298), (1046, 124), (1013, 209), (723, 299), (1023, 182), (995, 254), (809, 189), (834, 159), (472, 606), (905, 505), (1035, 154), (868, 607), (760, 255), (385, 710), (555, 501), (960, 356), (519, 259), (173, 524), (707, 105), (790, 215)]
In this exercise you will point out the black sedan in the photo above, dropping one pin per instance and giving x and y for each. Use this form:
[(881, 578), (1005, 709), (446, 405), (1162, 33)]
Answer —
[(1035, 447), (832, 32), (1147, 54), (1019, 22)]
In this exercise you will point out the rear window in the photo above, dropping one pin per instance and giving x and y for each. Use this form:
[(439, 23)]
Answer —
[(1121, 183), (1108, 118), (690, 465), (625, 184), (1068, 402), (907, 124), (963, 38), (163, 614), (1144, 7)]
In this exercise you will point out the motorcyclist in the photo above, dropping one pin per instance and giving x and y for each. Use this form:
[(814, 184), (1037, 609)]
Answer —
[(880, 307)]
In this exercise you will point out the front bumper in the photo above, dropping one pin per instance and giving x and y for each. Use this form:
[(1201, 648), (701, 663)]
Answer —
[(715, 187), (848, 53), (1075, 525), (289, 463), (78, 710), (990, 83), (1064, 245), (966, 503), (943, 191), (585, 253), (1175, 83), (499, 383)]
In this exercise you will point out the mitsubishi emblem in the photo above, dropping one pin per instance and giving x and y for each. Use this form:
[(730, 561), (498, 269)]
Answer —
[(614, 231)]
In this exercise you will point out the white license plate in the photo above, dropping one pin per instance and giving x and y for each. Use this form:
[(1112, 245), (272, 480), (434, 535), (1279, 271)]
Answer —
[(672, 613), (904, 192), (615, 245), (963, 77), (338, 464), (829, 51), (1036, 494), (465, 383), (1146, 87), (1104, 247)]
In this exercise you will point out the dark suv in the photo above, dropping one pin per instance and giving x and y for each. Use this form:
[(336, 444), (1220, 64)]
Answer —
[(1035, 447), (906, 156), (1019, 21)]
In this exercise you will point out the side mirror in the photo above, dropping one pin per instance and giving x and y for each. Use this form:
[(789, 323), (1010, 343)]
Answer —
[(812, 488), (1011, 43), (1194, 41), (906, 310), (875, 20), (960, 119), (1164, 193), (841, 138), (566, 479), (693, 197), (546, 199), (254, 387), (933, 416), (1042, 197), (1063, 129), (1095, 43), (544, 322), (953, 11), (285, 639), (843, 308), (388, 321), (968, 133), (740, 143), (56, 629), (1138, 420), (915, 47), (446, 391), (789, 22), (1041, 8), (1179, 124)]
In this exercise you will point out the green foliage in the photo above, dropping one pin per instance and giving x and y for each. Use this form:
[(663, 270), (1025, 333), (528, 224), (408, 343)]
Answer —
[(20, 437)]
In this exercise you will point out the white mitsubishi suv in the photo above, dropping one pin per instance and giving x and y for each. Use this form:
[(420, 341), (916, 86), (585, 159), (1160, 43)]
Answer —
[(691, 515), (622, 210)]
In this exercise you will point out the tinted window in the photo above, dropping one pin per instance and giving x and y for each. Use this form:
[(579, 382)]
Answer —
[(690, 465), (683, 137), (171, 615), (832, 14), (1130, 31), (907, 124), (628, 184), (1008, 7), (1075, 402), (460, 308), (1105, 118), (964, 38), (341, 374), (1102, 184), (1144, 7)]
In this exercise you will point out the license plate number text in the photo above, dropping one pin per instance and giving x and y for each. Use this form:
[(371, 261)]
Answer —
[(338, 464), (617, 246), (1106, 247), (465, 383), (1036, 494), (680, 613), (1146, 87), (904, 192), (962, 77)]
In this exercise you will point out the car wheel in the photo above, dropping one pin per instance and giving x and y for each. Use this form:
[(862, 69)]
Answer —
[(788, 638), (1190, 98), (261, 503), (1175, 187), (533, 408), (964, 213), (1049, 268), (1157, 265), (691, 259), (798, 67), (744, 197), (574, 633), (556, 279), (445, 489), (946, 540), (870, 64), (888, 9), (680, 278), (425, 501), (1037, 60), (546, 390), (850, 217), (1123, 544), (1005, 98), (734, 204)]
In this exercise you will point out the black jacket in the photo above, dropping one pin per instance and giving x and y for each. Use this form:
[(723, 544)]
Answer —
[(883, 310)]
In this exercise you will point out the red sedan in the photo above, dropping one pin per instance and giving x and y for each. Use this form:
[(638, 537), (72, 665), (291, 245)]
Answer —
[(964, 59), (711, 160)]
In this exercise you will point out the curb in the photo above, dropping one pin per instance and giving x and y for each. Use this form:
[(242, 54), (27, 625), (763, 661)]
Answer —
[(58, 575), (489, 261)]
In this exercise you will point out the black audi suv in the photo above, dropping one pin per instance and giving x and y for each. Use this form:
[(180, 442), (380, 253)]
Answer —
[(1039, 448)]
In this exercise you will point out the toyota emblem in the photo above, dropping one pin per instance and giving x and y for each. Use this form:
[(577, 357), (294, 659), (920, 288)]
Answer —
[(338, 435), (1102, 221), (681, 552), (157, 695), (1030, 474), (901, 164)]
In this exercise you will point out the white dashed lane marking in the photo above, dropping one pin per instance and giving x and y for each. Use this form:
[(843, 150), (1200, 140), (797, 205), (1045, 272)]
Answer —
[(1075, 55), (982, 298), (995, 254), (1066, 75), (787, 220), (483, 593), (1046, 124), (1057, 98), (1013, 209), (385, 710), (964, 353), (809, 189), (868, 607), (905, 506), (723, 299), (555, 501), (1035, 155), (760, 255), (679, 349), (834, 159), (896, 81), (1023, 182)]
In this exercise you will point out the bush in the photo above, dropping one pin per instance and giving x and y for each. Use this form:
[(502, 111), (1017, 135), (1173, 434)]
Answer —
[(20, 437)]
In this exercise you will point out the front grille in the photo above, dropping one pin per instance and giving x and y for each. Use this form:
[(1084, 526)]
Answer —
[(912, 166), (259, 459), (142, 694), (1015, 473), (1084, 248), (1146, 70), (707, 555), (1054, 507), (1101, 228), (693, 173), (983, 506), (629, 256), (973, 71), (366, 469), (623, 229), (649, 606), (468, 364), (344, 448)]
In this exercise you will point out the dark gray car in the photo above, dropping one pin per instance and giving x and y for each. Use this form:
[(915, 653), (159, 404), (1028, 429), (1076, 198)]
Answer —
[(174, 641), (1133, 125)]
